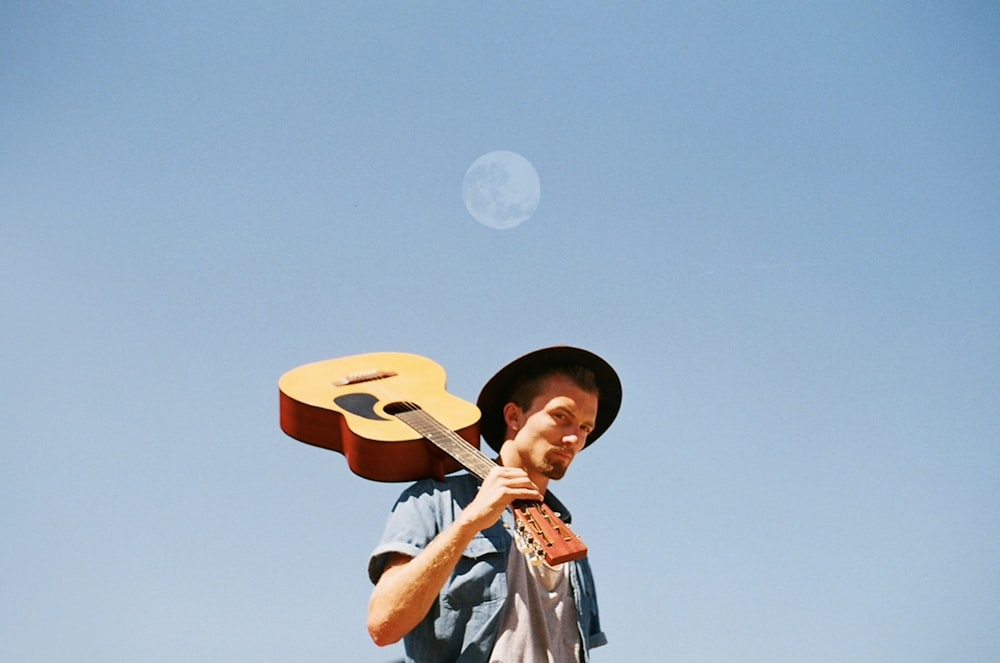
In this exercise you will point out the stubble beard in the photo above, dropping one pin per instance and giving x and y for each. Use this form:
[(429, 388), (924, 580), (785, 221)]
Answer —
[(554, 470)]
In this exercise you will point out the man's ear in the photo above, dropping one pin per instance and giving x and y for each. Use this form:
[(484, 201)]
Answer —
[(512, 415)]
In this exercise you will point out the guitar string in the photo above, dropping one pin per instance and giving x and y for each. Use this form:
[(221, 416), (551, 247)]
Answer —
[(447, 440)]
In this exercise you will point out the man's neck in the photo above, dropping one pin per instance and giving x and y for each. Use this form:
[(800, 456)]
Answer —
[(511, 459)]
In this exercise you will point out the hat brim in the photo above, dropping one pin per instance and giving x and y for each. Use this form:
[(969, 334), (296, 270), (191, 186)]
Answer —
[(496, 394)]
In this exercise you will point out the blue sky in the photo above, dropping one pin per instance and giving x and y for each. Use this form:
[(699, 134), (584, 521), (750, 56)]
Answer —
[(779, 221)]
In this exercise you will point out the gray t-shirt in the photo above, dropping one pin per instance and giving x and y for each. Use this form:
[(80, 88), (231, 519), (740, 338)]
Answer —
[(539, 623)]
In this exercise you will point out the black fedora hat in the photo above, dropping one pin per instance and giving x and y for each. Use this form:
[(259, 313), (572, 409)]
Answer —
[(497, 391)]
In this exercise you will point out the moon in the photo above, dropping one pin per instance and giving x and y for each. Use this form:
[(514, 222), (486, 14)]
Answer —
[(501, 189)]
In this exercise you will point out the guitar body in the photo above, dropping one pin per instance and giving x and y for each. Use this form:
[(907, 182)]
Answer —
[(339, 404)]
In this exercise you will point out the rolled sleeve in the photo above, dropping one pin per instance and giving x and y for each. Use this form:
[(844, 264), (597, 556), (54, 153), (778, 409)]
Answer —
[(411, 525)]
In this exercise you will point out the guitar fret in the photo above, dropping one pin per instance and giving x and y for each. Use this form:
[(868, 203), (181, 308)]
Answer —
[(447, 440)]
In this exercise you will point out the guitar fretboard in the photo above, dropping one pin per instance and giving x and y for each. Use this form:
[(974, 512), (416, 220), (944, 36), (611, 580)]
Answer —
[(443, 438)]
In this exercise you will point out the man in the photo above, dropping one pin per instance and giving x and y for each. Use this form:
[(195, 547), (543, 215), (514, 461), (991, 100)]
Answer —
[(448, 579)]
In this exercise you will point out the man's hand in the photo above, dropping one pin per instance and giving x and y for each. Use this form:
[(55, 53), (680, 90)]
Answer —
[(502, 486)]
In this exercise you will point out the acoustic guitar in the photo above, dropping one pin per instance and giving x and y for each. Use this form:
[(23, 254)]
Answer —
[(390, 416)]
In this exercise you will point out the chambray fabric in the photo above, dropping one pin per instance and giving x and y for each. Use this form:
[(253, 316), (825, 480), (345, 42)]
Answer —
[(462, 626)]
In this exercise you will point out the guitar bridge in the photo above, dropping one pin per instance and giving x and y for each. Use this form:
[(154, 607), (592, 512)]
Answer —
[(364, 376)]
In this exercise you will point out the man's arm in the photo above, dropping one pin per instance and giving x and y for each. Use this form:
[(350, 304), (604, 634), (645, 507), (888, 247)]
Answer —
[(409, 586)]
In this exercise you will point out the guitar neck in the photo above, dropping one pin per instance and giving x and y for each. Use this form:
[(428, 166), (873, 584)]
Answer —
[(447, 441)]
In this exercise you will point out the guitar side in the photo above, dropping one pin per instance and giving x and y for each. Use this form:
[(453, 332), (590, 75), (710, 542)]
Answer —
[(338, 404)]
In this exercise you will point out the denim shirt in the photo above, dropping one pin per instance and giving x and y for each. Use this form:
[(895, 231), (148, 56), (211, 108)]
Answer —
[(462, 625)]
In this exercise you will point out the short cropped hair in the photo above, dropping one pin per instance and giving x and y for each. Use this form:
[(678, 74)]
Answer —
[(527, 387)]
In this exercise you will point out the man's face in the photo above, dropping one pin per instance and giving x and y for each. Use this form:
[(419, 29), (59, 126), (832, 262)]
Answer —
[(554, 429)]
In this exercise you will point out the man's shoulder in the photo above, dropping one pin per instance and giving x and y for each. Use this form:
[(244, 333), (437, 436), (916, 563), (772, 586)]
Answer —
[(460, 487)]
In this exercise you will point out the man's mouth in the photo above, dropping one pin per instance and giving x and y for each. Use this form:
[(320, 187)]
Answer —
[(563, 454)]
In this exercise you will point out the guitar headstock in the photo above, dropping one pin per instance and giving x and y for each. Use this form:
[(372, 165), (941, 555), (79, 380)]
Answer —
[(543, 536)]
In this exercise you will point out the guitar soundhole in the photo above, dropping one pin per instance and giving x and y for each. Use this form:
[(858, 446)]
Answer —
[(400, 407)]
